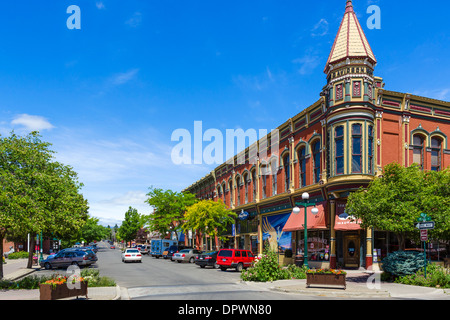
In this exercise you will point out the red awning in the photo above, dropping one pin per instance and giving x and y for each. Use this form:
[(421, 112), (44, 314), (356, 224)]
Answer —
[(344, 222), (297, 221)]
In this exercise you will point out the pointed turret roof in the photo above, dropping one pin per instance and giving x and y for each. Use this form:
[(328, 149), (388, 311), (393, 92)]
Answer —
[(350, 41)]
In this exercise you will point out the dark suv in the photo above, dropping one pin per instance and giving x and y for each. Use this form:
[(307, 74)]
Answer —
[(234, 258)]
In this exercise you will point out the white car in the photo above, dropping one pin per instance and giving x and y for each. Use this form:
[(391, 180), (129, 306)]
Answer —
[(131, 255)]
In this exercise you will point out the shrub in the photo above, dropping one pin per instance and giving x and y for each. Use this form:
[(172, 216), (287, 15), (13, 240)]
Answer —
[(437, 276), (266, 268), (401, 263), (18, 255)]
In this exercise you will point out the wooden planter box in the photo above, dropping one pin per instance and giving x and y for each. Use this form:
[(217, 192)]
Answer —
[(326, 279), (48, 292)]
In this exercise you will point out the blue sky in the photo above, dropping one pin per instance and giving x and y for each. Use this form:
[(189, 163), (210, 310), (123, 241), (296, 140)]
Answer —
[(110, 95)]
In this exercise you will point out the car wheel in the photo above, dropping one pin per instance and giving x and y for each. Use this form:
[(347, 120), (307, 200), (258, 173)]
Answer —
[(191, 260), (239, 267), (74, 263), (179, 261), (203, 267), (47, 266), (216, 266), (223, 268)]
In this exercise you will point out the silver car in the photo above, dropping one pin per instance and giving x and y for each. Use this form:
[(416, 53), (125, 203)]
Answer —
[(186, 255), (69, 257)]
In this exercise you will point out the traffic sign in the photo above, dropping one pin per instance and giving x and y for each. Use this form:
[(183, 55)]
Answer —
[(424, 235), (425, 225)]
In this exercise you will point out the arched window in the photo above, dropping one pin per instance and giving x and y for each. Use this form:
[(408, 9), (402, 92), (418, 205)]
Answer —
[(273, 174), (238, 191), (254, 184), (246, 182), (302, 166), (356, 148), (231, 192), (223, 192), (264, 180), (287, 173), (219, 192), (370, 150), (418, 147), (339, 149), (436, 148), (316, 158)]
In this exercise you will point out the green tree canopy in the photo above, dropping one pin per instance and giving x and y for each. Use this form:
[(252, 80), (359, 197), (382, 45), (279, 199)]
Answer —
[(394, 201), (208, 217), (131, 224), (37, 194), (168, 209)]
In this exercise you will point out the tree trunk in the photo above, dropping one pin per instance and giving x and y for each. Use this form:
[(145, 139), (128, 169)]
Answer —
[(31, 252), (401, 241)]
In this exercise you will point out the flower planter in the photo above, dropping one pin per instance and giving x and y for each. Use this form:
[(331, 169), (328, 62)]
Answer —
[(61, 291), (329, 279)]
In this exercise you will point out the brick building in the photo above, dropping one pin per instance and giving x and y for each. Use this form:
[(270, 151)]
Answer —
[(338, 144)]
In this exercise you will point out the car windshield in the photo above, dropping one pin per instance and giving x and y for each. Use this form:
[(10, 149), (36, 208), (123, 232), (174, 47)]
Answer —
[(225, 253), (132, 251), (173, 248), (185, 250), (210, 253)]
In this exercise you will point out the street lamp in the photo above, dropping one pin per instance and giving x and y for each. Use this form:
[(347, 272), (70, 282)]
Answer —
[(296, 210)]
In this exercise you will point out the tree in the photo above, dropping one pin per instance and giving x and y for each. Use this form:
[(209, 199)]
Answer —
[(394, 201), (169, 208), (37, 194), (131, 225), (93, 231), (208, 217)]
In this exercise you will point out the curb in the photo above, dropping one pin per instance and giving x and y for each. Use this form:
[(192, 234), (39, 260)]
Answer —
[(118, 295), (333, 293)]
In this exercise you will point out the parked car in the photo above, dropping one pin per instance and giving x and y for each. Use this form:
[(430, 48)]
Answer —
[(145, 249), (69, 257), (234, 258), (168, 254), (186, 255), (113, 247), (207, 259), (131, 255)]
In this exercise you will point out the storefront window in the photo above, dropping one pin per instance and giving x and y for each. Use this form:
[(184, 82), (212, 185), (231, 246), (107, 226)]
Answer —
[(318, 245)]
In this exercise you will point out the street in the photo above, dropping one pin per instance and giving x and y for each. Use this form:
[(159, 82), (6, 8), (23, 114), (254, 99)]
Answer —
[(160, 279)]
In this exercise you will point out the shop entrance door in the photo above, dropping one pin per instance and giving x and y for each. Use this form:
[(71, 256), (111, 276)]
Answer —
[(351, 251)]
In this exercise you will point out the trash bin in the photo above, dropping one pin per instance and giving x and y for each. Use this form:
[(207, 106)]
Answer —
[(299, 260)]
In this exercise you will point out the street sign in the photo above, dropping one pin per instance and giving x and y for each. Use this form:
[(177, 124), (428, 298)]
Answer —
[(425, 225), (424, 235)]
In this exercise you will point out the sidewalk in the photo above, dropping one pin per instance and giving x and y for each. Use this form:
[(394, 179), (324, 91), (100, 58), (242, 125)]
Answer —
[(15, 269), (357, 287), (360, 284)]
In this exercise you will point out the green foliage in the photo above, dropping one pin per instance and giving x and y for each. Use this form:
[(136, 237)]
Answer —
[(168, 209), (95, 280), (395, 201), (437, 276), (266, 268), (18, 255), (208, 217), (131, 225), (401, 263), (32, 282)]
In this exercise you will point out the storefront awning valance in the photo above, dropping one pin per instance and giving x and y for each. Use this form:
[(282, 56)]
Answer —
[(297, 221), (344, 222)]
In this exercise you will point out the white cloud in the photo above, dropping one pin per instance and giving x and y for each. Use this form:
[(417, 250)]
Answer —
[(32, 123), (320, 29), (307, 64), (122, 78), (100, 5), (135, 21)]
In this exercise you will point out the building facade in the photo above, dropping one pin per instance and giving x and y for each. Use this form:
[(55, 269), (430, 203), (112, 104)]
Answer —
[(335, 146)]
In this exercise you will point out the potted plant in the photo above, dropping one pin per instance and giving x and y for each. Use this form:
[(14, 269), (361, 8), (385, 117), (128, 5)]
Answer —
[(330, 277), (60, 288)]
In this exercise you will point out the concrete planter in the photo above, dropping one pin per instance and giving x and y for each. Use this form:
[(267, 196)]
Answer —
[(328, 279), (61, 291)]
